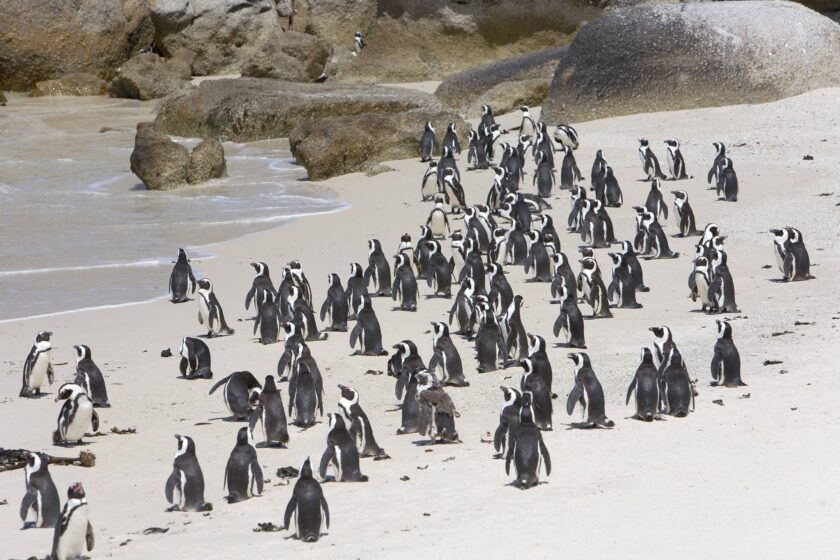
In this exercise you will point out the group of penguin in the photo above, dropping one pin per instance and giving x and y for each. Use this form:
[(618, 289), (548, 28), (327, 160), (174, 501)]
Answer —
[(485, 310)]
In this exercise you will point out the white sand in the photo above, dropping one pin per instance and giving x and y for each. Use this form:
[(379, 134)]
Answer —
[(758, 477)]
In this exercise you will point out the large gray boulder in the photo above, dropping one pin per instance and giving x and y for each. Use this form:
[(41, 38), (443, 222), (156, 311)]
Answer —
[(248, 109), (668, 57), (149, 76), (76, 84), (337, 20)]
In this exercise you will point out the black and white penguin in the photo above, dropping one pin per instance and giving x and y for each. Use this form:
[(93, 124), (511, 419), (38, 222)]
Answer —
[(287, 281), (241, 390), (184, 488), (450, 139), (181, 281), (404, 288), (622, 289), (487, 118), (341, 453), (663, 344), (405, 391), (437, 411), (656, 239), (195, 358), (358, 43), (407, 248), (717, 164), (570, 321), (76, 415), (593, 229), (577, 198), (439, 272), (41, 497), (306, 388), (544, 177), (655, 204), (599, 170), (73, 532), (360, 429), (428, 142), (429, 185), (632, 261), (445, 163), (699, 283), (335, 305), (446, 358), (357, 288), (562, 271), (210, 311), (306, 504), (722, 288), (527, 125), (791, 255), (676, 387), (476, 154), (508, 419), (589, 393), (286, 363), (727, 181), (463, 308), (545, 223), (379, 270), (89, 377), (501, 294), (534, 383), (726, 361), (645, 384), (37, 367), (569, 171), (453, 191), (527, 450), (566, 135), (299, 280), (685, 214), (437, 220), (367, 331), (538, 258), (262, 283), (650, 165), (243, 474), (269, 411), (268, 319), (676, 162), (597, 295), (304, 316), (516, 342), (609, 191), (490, 344)]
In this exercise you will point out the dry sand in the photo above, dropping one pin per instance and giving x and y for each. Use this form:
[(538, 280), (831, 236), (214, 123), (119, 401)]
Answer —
[(754, 478)]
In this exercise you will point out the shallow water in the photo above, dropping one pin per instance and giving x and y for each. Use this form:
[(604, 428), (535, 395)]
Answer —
[(80, 230)]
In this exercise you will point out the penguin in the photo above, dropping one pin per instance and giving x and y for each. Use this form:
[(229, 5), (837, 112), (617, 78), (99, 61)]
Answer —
[(544, 177), (538, 258), (676, 387), (476, 154), (722, 288), (612, 195), (195, 359), (286, 363), (406, 391), (791, 255), (210, 310), (501, 294), (303, 316), (453, 191), (567, 136), (405, 359), (570, 320), (663, 344), (578, 196), (489, 342), (657, 239), (299, 280), (622, 288), (645, 384), (447, 162), (726, 361), (378, 269), (282, 298), (243, 474), (463, 309), (598, 297), (446, 358), (593, 229), (546, 226), (76, 415), (439, 273), (428, 142), (306, 388), (306, 504), (473, 266), (517, 336), (367, 331), (655, 204), (676, 162), (41, 497), (357, 288), (686, 216), (599, 170), (405, 283), (699, 283), (38, 366), (268, 319), (73, 532), (437, 220), (487, 118), (499, 246), (437, 409), (562, 271), (717, 164), (479, 224), (450, 139), (270, 412), (341, 453), (508, 419), (527, 450), (262, 283), (335, 305), (407, 249), (527, 126), (360, 429), (358, 43), (429, 185), (535, 384), (181, 281), (517, 211), (589, 393), (89, 377), (240, 391), (513, 164), (569, 172), (184, 488), (650, 165), (727, 182), (422, 251), (630, 258)]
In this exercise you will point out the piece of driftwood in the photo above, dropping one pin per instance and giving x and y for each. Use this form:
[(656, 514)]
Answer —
[(11, 459)]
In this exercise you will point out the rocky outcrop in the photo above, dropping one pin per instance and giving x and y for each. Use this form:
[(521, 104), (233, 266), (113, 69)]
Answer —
[(330, 146), (2, 99), (249, 109), (72, 84), (669, 57), (500, 83), (163, 164), (149, 76), (336, 20)]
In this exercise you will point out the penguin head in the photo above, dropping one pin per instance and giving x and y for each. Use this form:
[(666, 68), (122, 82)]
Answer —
[(425, 233), (599, 154), (536, 343), (269, 386), (524, 109), (43, 336), (626, 248), (439, 202), (616, 259), (305, 470), (674, 358), (185, 445), (261, 268), (336, 422), (525, 414), (374, 246), (182, 256), (720, 148), (295, 265), (68, 391), (82, 352), (563, 292), (399, 260), (289, 328), (349, 394), (76, 491), (701, 263), (294, 294), (440, 329), (545, 221), (425, 380), (647, 356), (468, 285), (451, 127), (542, 127), (528, 365), (586, 252), (510, 396), (724, 329), (780, 235), (559, 260), (486, 110), (654, 185), (333, 279), (471, 134), (364, 304), (609, 171), (493, 269), (429, 127), (35, 462), (711, 230), (680, 195), (672, 142), (444, 153), (727, 163), (355, 270), (205, 284), (588, 265), (795, 235), (581, 360), (661, 335), (643, 142)]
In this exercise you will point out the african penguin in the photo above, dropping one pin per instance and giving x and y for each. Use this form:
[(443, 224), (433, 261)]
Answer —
[(676, 162), (527, 450), (73, 532), (341, 453), (508, 419), (437, 220), (645, 384), (89, 377), (195, 358), (185, 486), (37, 367), (676, 387), (405, 283), (41, 497), (650, 165), (450, 139), (269, 411), (181, 281), (306, 388), (335, 305), (567, 136), (727, 182), (357, 288), (76, 415), (726, 361), (791, 255), (360, 429), (685, 214), (210, 311), (717, 164), (429, 185), (358, 43), (437, 411), (428, 142), (439, 272), (570, 320), (241, 390), (306, 504), (588, 392), (268, 319), (243, 474), (262, 283), (622, 289), (367, 331), (446, 357), (541, 405), (379, 270)]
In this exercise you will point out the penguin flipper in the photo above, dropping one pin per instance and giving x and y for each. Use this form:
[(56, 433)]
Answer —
[(399, 387), (183, 367), (171, 483), (665, 210), (50, 374), (326, 458), (574, 397), (256, 415), (611, 291), (546, 457), (326, 509), (369, 274), (630, 390), (29, 499), (325, 307), (192, 281), (558, 324), (94, 421), (292, 391), (290, 509), (249, 296), (354, 334), (89, 539), (257, 473), (171, 280), (62, 523), (509, 456), (434, 361), (257, 322), (396, 288), (717, 362), (499, 436), (218, 384)]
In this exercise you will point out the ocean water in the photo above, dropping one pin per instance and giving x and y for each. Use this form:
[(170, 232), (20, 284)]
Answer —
[(79, 230)]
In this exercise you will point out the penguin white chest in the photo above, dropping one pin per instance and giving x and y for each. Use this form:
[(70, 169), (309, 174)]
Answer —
[(80, 422), (204, 310), (72, 543), (39, 369)]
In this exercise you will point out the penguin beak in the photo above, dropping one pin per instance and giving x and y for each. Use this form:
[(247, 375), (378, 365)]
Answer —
[(342, 387), (571, 356)]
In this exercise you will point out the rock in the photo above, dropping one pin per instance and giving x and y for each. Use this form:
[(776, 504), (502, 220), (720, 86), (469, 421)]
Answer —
[(71, 84), (330, 146), (293, 57), (835, 16), (44, 39), (670, 57), (509, 96), (163, 164), (149, 76), (248, 109), (2, 99), (462, 90), (337, 20)]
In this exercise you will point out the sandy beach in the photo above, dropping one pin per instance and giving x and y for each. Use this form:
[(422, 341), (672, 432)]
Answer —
[(754, 476)]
